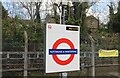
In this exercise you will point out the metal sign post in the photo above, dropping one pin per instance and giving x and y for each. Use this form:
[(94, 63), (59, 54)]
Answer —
[(62, 74), (60, 14)]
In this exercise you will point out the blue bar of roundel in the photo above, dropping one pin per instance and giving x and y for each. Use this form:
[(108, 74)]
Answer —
[(62, 51)]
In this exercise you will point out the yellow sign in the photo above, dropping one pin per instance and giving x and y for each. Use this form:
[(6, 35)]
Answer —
[(108, 53)]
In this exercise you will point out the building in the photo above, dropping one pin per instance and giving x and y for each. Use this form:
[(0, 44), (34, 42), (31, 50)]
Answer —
[(92, 23)]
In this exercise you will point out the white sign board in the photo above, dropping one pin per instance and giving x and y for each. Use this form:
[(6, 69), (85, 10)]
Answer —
[(62, 48)]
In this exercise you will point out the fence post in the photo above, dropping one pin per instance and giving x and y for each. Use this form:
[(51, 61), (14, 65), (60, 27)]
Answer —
[(0, 40), (1, 64), (25, 54), (93, 55), (119, 64)]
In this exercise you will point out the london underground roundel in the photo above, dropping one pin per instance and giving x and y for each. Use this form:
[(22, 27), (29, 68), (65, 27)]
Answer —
[(60, 41)]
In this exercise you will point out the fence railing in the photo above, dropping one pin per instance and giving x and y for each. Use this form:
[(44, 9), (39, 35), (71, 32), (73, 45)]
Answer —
[(14, 61)]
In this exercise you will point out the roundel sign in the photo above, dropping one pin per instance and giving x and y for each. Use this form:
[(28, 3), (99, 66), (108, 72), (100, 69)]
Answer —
[(62, 40), (56, 59)]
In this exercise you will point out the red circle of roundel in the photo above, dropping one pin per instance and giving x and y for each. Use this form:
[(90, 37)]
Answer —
[(57, 60)]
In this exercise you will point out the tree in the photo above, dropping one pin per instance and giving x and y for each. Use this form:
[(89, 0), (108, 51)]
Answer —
[(4, 12), (114, 23), (13, 27), (37, 13), (35, 30), (33, 9), (111, 16)]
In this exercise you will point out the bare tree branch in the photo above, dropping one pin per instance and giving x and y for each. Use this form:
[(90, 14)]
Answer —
[(26, 6), (33, 9)]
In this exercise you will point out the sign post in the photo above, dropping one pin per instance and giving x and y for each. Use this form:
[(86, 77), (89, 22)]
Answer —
[(63, 74), (62, 48)]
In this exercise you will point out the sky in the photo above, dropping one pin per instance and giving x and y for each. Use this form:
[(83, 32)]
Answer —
[(99, 9)]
